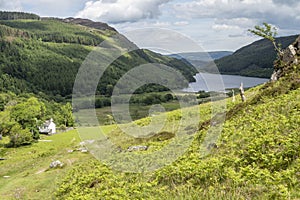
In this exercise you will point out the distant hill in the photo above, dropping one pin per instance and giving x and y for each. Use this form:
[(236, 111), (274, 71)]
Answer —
[(201, 59), (254, 60), (44, 54), (202, 56)]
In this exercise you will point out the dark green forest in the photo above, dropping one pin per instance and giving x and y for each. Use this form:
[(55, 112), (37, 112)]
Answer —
[(4, 15)]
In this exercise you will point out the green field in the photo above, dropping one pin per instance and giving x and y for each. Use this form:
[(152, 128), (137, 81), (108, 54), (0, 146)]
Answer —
[(28, 167), (137, 112)]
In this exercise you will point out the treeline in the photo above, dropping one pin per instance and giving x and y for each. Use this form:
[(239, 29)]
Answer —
[(4, 15)]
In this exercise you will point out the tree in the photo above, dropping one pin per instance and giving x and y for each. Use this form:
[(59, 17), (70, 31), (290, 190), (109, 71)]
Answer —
[(19, 136), (268, 32), (6, 123), (67, 115), (28, 113)]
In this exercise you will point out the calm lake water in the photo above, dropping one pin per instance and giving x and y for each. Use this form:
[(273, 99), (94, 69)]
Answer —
[(217, 82)]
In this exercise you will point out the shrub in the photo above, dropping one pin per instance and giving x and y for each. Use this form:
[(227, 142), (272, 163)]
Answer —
[(19, 137)]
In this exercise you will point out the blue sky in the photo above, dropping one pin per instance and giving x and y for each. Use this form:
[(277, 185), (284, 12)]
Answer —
[(213, 24)]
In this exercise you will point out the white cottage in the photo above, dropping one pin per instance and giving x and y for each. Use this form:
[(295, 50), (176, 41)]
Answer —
[(49, 127)]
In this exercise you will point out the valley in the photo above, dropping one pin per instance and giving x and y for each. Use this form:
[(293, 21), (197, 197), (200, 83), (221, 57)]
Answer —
[(127, 140)]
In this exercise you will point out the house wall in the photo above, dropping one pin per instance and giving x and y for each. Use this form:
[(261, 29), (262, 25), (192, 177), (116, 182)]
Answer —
[(52, 126)]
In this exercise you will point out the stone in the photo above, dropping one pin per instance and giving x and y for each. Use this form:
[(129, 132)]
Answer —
[(56, 164), (276, 75), (82, 149), (137, 148), (297, 43), (289, 54)]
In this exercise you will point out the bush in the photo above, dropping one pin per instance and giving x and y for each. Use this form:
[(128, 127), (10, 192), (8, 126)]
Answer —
[(19, 137)]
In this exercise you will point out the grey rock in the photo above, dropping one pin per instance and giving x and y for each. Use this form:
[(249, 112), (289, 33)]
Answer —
[(137, 148), (289, 54), (56, 164)]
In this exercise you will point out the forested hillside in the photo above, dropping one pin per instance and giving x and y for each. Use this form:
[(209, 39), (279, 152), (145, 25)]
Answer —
[(44, 55), (254, 60)]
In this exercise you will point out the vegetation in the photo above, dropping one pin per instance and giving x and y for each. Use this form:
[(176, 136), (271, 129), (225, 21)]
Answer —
[(27, 167), (45, 55), (268, 32), (255, 60), (21, 116), (251, 160), (17, 15), (256, 156)]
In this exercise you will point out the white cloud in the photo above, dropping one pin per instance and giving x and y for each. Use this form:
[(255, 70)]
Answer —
[(287, 2), (239, 22), (118, 11), (247, 11), (181, 23), (10, 5), (55, 8), (221, 27), (59, 8)]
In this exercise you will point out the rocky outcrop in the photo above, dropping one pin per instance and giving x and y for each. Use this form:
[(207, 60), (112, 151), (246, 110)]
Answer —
[(287, 58)]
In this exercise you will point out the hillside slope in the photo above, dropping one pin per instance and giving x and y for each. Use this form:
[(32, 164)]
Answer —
[(256, 157), (254, 60), (44, 55)]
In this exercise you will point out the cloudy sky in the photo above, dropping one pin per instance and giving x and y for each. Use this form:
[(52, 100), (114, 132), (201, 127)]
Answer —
[(213, 24)]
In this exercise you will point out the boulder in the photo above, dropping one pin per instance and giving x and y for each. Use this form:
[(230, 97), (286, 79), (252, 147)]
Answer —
[(56, 164), (84, 151), (289, 54)]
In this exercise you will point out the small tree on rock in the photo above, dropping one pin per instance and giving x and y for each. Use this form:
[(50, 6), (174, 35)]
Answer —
[(268, 32)]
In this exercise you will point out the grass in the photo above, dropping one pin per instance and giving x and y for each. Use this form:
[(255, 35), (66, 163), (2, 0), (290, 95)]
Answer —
[(227, 173), (137, 112), (28, 166), (256, 157)]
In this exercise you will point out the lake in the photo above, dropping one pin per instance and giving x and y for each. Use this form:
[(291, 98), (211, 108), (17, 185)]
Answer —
[(217, 82)]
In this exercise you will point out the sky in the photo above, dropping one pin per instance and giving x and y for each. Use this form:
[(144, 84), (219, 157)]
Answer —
[(213, 24)]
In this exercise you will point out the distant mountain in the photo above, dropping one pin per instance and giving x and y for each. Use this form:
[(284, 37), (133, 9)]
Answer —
[(254, 60), (201, 59), (45, 54)]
